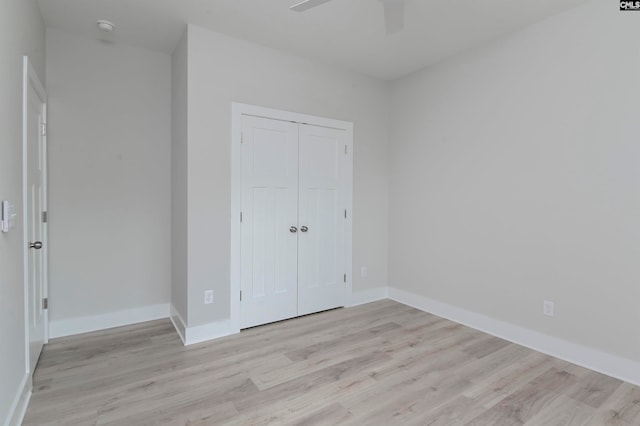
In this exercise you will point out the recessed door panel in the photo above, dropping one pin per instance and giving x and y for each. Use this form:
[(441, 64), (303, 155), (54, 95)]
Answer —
[(321, 254), (268, 273)]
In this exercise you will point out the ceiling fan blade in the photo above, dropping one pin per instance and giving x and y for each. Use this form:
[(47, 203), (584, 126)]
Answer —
[(393, 15), (307, 4)]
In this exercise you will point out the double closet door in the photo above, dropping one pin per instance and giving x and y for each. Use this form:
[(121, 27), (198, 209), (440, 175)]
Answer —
[(293, 220)]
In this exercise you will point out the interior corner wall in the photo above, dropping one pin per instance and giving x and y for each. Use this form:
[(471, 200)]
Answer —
[(179, 258), (223, 70), (21, 33), (515, 169), (109, 181)]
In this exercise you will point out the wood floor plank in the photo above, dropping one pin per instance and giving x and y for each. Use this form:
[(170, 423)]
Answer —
[(485, 347), (418, 401), (457, 412), (400, 385), (203, 410), (132, 405), (488, 390), (299, 406), (270, 375), (348, 339), (621, 409), (522, 405), (379, 363), (309, 382), (563, 411), (334, 414), (595, 388), (479, 369)]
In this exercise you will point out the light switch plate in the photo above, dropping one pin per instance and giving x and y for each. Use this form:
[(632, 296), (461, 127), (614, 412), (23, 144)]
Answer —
[(12, 216), (5, 216), (208, 297)]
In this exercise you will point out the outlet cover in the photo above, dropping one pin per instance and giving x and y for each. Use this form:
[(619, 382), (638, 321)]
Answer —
[(208, 297), (548, 308)]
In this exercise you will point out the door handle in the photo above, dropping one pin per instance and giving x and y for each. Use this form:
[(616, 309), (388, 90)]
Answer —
[(304, 229), (293, 229), (36, 245)]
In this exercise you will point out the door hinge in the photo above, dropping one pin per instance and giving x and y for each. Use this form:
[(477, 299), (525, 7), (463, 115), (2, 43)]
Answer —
[(345, 278), (345, 213), (45, 303), (44, 129), (240, 217), (44, 217), (242, 137), (241, 296)]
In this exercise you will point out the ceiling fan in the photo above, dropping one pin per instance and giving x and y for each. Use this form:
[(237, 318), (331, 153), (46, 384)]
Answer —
[(393, 12)]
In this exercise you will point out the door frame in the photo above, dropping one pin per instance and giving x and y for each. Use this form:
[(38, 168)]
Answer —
[(237, 111), (31, 79)]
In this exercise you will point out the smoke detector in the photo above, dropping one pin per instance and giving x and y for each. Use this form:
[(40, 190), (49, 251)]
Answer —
[(105, 26)]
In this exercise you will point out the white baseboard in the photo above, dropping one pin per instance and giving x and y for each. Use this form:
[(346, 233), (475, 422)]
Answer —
[(227, 327), (201, 333), (179, 324), (593, 359), (71, 326), (210, 331), (368, 296), (20, 402)]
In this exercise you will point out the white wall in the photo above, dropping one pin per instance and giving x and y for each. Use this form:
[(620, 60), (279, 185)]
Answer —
[(223, 70), (109, 135), (179, 258), (21, 33), (515, 179)]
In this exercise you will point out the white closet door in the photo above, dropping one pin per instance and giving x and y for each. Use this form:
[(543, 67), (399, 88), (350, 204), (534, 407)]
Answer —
[(321, 246), (35, 204), (269, 238)]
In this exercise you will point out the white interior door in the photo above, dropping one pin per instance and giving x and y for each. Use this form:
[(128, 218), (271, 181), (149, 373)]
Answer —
[(269, 236), (35, 205), (321, 252)]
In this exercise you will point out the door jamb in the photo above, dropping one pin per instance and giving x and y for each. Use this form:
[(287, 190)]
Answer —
[(31, 79), (237, 111)]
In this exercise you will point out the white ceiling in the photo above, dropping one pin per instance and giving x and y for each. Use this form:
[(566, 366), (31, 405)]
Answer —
[(347, 33)]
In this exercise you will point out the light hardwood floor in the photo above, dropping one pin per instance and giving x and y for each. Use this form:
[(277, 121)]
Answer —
[(377, 364)]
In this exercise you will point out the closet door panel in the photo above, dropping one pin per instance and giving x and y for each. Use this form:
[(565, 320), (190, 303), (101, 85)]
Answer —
[(321, 253), (269, 264)]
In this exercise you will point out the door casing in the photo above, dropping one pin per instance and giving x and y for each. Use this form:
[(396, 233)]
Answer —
[(237, 111)]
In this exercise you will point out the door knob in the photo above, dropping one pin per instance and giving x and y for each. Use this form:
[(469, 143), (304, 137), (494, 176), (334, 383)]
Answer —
[(36, 245), (304, 229), (293, 229)]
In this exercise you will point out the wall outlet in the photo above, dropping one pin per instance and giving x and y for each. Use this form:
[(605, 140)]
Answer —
[(548, 308), (364, 272), (208, 297)]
